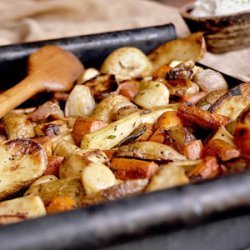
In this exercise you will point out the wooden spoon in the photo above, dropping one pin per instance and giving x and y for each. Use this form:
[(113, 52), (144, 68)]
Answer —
[(49, 69)]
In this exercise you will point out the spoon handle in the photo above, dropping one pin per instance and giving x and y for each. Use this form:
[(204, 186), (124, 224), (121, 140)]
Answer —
[(21, 92)]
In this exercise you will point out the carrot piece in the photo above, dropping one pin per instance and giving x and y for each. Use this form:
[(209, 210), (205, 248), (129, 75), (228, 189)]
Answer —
[(158, 136), (60, 204), (201, 118), (167, 120), (221, 149), (84, 126), (129, 88), (162, 71), (193, 150), (125, 169), (242, 138), (208, 169), (53, 165), (193, 98), (109, 153)]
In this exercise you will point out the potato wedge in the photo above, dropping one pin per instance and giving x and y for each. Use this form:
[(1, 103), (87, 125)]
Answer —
[(21, 162), (18, 126), (127, 63), (88, 74), (209, 99), (152, 95), (149, 151), (167, 177), (192, 47), (233, 102), (80, 102), (96, 177), (28, 207), (112, 134)]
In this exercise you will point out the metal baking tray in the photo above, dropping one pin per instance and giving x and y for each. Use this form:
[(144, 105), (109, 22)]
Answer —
[(209, 215)]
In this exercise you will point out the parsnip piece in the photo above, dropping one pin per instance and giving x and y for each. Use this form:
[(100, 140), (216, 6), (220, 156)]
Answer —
[(18, 126), (167, 177), (150, 151), (112, 134), (152, 95), (80, 102), (97, 177), (43, 179), (28, 207), (21, 162), (127, 63), (109, 106)]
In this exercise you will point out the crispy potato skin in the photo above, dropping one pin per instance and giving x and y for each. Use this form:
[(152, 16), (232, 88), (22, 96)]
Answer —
[(201, 118)]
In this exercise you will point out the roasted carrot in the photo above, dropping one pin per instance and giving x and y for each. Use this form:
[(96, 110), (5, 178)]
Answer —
[(109, 153), (84, 126), (242, 138), (147, 134), (125, 169), (158, 136), (193, 150), (162, 71), (60, 204), (129, 88), (208, 169), (201, 118), (53, 165), (220, 149)]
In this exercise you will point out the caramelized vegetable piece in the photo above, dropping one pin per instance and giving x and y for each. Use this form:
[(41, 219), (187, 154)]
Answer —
[(210, 98), (201, 118), (192, 47), (129, 88), (167, 177), (167, 120), (60, 204), (193, 150), (21, 162), (149, 151), (54, 164), (124, 189), (242, 139), (194, 98), (48, 109), (84, 126), (133, 169), (102, 85), (208, 169), (18, 126), (158, 136), (233, 102), (244, 116), (161, 72), (221, 149), (25, 207)]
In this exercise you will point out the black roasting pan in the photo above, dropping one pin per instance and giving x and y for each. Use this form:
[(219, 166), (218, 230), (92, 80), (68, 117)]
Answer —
[(210, 215)]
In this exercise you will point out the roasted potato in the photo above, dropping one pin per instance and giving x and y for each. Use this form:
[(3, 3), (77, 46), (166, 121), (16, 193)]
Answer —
[(192, 47), (233, 102), (18, 126), (88, 74), (127, 63), (22, 162)]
